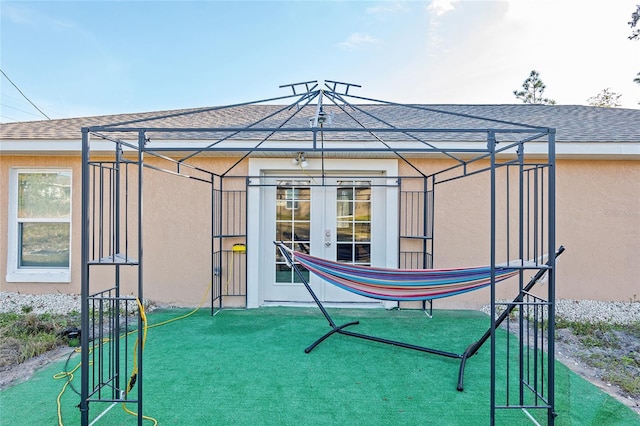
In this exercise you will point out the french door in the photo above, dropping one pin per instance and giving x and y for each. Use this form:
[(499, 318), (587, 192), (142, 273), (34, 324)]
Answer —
[(335, 221), (348, 216)]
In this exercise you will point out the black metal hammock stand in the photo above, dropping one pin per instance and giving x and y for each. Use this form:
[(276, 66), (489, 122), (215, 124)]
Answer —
[(406, 285)]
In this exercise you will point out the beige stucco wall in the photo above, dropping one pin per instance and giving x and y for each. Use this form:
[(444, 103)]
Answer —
[(598, 221), (598, 218), (177, 230), (52, 161)]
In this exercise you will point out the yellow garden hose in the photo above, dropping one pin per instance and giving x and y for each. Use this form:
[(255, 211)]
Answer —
[(134, 372), (69, 375)]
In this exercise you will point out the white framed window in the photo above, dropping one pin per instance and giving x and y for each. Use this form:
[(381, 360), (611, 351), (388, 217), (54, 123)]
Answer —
[(39, 243)]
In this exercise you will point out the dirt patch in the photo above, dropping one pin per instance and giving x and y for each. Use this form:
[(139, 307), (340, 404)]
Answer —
[(13, 374), (572, 353)]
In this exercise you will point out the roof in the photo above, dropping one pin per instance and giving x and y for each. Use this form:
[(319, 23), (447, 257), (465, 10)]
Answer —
[(574, 123)]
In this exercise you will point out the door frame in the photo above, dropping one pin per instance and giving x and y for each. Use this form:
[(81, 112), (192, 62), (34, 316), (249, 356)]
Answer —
[(258, 260)]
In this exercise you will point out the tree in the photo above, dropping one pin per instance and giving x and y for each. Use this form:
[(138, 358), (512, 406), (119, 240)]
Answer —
[(635, 33), (635, 17), (605, 99), (533, 88)]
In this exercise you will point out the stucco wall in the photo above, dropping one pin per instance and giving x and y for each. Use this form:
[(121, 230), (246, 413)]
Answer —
[(598, 221), (53, 161), (598, 218)]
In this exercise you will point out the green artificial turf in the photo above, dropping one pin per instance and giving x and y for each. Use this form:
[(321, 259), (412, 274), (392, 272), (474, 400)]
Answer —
[(248, 367)]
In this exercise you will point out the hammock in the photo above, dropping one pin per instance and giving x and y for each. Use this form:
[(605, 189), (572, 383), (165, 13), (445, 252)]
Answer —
[(407, 285), (400, 284)]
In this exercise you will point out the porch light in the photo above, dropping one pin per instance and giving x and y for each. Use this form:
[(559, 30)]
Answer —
[(322, 116), (299, 159)]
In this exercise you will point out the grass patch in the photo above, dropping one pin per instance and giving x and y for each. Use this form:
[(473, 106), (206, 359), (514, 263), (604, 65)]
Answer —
[(26, 335)]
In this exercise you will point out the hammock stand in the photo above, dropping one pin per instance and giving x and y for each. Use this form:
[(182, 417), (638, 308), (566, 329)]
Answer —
[(471, 350)]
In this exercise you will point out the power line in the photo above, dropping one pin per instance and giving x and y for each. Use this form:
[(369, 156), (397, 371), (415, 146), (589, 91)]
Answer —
[(3, 105), (23, 95), (7, 119)]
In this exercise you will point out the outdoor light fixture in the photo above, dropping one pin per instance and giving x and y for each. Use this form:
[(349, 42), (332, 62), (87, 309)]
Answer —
[(322, 116), (299, 159)]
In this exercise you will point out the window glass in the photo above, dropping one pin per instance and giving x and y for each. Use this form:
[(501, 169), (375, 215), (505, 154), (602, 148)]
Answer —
[(293, 225), (44, 195), (44, 245), (41, 222), (353, 224)]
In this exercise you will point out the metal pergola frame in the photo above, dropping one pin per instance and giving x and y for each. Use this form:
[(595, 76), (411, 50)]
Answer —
[(475, 144)]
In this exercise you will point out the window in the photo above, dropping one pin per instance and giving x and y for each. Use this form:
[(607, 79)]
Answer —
[(39, 248)]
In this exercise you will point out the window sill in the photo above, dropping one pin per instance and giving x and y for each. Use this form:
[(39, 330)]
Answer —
[(39, 276)]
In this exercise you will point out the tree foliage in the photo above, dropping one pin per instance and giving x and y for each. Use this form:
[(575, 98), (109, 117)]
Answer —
[(532, 90), (635, 17), (605, 99), (635, 33)]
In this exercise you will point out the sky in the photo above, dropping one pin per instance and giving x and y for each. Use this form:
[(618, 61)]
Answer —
[(85, 58)]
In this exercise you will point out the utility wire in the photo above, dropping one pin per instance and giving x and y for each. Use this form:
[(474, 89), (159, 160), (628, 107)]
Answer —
[(18, 109), (23, 95)]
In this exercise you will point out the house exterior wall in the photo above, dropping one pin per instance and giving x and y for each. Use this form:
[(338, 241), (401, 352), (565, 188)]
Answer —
[(41, 162), (177, 229), (598, 221)]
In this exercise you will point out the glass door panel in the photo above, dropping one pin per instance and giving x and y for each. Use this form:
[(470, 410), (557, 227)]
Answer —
[(353, 222), (293, 226)]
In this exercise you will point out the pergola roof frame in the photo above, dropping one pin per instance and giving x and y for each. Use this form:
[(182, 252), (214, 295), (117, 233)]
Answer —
[(145, 126)]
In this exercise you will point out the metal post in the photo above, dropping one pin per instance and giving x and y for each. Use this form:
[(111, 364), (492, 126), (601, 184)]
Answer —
[(521, 255), (246, 221), (432, 222), (84, 309), (141, 143), (213, 248), (491, 142), (115, 193), (221, 234), (427, 230), (552, 275), (425, 196), (399, 227)]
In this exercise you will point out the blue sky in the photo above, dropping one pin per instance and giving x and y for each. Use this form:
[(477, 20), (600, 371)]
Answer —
[(80, 58)]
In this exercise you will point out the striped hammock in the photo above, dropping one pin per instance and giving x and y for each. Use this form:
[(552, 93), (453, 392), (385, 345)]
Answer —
[(399, 284)]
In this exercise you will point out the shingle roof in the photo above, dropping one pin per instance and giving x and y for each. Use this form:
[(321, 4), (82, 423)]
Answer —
[(574, 123)]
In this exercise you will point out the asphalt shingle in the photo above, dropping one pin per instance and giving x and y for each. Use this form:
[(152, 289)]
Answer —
[(574, 123)]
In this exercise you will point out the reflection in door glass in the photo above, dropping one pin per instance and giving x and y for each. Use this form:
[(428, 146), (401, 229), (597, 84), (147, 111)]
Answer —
[(293, 225), (353, 222)]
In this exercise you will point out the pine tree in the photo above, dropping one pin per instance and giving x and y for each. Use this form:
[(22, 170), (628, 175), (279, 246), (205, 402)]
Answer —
[(533, 88)]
